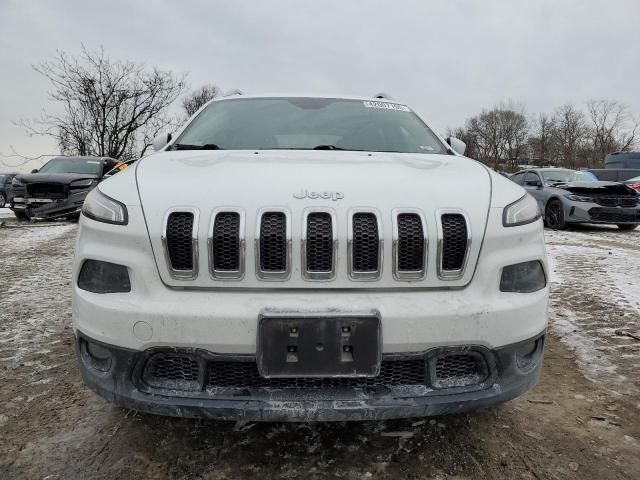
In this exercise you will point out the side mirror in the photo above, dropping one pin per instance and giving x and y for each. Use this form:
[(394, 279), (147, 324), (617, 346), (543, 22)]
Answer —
[(161, 141), (458, 145), (35, 170)]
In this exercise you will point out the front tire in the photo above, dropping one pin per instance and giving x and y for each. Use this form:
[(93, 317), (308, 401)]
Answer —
[(20, 215), (627, 227), (554, 215), (3, 200)]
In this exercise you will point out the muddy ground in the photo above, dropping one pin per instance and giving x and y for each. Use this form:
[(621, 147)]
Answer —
[(581, 421)]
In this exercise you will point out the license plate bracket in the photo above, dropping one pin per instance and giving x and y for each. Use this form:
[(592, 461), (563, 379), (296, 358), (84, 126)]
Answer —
[(335, 346)]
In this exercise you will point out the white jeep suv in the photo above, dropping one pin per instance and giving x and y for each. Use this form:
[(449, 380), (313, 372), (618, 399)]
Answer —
[(309, 258)]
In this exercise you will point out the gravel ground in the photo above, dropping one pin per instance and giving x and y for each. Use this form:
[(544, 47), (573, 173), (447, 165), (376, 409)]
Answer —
[(581, 421)]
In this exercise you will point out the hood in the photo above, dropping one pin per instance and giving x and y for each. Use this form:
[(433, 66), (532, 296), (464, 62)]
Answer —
[(256, 179), (296, 180), (596, 188), (64, 178)]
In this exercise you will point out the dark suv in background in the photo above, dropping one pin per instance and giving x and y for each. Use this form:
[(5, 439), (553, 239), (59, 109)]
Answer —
[(59, 188), (6, 193)]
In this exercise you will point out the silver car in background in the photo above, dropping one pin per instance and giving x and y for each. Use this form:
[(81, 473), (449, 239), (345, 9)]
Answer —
[(569, 196)]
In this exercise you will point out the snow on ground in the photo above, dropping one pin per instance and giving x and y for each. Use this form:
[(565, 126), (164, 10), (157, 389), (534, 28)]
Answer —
[(35, 271), (595, 292), (6, 213)]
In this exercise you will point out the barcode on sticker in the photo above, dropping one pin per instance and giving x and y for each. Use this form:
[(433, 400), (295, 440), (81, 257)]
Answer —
[(386, 105)]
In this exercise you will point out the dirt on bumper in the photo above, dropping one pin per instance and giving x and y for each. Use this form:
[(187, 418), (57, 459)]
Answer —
[(514, 369)]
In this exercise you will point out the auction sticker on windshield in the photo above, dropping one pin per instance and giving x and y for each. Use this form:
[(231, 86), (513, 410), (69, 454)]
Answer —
[(386, 105)]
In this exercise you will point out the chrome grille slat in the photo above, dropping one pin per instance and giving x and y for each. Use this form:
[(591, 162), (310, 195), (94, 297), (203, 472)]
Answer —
[(409, 244), (273, 244), (226, 243), (365, 244), (454, 242), (319, 244), (180, 242)]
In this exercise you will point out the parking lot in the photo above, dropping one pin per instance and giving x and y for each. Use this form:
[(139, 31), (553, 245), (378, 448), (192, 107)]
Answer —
[(581, 421)]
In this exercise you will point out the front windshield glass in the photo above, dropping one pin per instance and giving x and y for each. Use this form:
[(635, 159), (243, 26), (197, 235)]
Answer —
[(566, 176), (309, 123), (72, 165)]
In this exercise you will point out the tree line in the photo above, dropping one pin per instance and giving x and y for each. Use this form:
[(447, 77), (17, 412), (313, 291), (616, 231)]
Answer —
[(570, 136), (115, 108), (111, 108)]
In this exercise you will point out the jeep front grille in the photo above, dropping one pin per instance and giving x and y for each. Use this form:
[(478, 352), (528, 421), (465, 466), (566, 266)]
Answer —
[(317, 257), (272, 244), (226, 244), (365, 246), (181, 243), (410, 245), (319, 241), (455, 238)]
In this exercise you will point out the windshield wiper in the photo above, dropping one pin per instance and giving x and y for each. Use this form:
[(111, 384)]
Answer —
[(327, 147), (185, 146)]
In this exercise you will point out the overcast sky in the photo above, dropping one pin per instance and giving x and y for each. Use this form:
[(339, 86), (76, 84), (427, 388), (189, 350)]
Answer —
[(447, 59)]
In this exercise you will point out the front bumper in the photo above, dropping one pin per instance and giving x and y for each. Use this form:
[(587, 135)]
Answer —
[(587, 212), (49, 210), (510, 371)]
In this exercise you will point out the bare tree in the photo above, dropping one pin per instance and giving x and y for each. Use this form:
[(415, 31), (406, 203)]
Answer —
[(571, 133), (108, 108), (613, 128), (196, 99), (542, 140), (497, 135), (514, 130)]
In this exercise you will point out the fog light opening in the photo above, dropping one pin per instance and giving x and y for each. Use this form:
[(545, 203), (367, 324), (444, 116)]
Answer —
[(527, 355), (95, 355), (104, 277), (526, 277)]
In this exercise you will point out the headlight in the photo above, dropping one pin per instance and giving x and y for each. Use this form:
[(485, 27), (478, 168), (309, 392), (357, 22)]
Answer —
[(521, 212), (101, 208), (15, 182), (86, 183), (579, 198)]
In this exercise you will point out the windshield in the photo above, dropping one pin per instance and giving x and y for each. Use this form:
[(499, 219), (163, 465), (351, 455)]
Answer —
[(72, 165), (566, 176), (309, 123)]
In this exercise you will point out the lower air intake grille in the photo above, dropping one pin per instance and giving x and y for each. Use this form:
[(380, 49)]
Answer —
[(459, 370), (172, 371), (319, 245), (410, 243), (366, 243), (226, 242), (454, 241), (273, 242), (179, 240), (607, 215), (235, 374)]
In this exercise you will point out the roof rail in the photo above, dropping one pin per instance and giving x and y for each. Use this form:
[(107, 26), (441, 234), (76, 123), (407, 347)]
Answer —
[(233, 92), (383, 96)]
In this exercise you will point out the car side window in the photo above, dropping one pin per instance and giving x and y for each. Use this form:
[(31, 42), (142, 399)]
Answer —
[(532, 180), (518, 178), (610, 176)]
